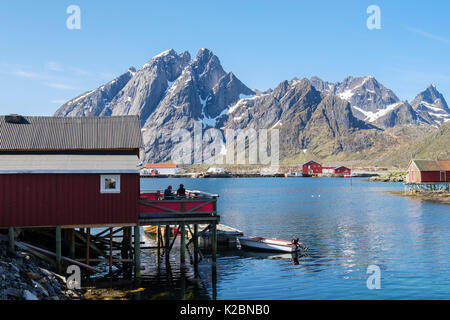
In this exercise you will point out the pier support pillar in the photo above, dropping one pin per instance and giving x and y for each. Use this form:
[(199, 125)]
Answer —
[(72, 243), (182, 243), (195, 247), (88, 245), (167, 242), (58, 250), (214, 242), (158, 248), (12, 244), (137, 251), (110, 250)]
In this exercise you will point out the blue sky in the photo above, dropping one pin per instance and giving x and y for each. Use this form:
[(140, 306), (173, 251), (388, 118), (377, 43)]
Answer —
[(43, 64)]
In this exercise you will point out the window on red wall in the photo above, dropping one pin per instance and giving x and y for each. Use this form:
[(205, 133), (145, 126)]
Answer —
[(110, 184)]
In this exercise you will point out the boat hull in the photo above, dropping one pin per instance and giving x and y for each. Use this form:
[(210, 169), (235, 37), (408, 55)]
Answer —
[(264, 244)]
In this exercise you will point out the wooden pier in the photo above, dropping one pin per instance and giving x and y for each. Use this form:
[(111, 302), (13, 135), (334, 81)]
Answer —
[(186, 214), (427, 186), (119, 246)]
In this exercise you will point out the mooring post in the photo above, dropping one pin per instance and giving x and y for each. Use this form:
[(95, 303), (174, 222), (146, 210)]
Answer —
[(214, 242), (182, 243), (12, 244), (58, 249), (137, 251)]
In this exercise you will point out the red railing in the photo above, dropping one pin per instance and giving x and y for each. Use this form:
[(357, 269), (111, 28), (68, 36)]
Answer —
[(195, 203)]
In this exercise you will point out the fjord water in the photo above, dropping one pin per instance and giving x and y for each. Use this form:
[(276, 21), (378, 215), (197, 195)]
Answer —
[(346, 226)]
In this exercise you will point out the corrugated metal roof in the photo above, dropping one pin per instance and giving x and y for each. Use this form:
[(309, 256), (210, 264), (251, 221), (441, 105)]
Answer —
[(432, 165), (444, 165), (72, 133)]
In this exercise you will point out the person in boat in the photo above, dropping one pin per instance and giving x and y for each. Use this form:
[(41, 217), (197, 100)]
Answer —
[(181, 192), (168, 195), (295, 241)]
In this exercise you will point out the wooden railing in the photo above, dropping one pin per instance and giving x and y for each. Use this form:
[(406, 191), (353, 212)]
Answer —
[(196, 203)]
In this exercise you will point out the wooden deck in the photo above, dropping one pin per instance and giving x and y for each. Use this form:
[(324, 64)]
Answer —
[(197, 208)]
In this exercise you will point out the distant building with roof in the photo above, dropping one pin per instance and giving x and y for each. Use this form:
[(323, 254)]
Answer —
[(428, 171), (162, 168)]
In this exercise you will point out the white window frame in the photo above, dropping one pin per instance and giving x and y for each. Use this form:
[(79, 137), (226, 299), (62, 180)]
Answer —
[(110, 176)]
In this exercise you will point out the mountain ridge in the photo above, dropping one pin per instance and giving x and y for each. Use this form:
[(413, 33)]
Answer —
[(173, 91)]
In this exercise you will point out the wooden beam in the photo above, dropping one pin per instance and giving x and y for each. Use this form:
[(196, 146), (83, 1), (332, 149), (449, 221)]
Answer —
[(72, 243), (88, 244), (58, 250), (110, 250), (195, 237), (137, 251), (167, 241), (182, 243), (214, 242), (11, 240)]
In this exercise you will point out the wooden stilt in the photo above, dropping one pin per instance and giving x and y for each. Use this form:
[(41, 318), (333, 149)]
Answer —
[(110, 250), (12, 245), (58, 250), (167, 242), (214, 242), (137, 251), (182, 243), (88, 240), (195, 237), (72, 243), (158, 248)]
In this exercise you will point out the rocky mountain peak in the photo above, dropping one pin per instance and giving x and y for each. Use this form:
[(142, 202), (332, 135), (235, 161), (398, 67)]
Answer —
[(431, 105)]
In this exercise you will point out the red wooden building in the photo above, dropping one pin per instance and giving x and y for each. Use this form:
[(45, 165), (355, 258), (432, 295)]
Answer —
[(428, 171), (342, 171), (312, 167), (69, 172)]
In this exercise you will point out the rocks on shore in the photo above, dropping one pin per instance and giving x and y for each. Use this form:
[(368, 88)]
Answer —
[(389, 177), (23, 278)]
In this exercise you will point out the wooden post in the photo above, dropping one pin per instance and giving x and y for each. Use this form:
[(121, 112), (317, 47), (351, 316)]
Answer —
[(137, 251), (195, 236), (72, 243), (110, 250), (214, 242), (88, 240), (167, 242), (12, 245), (58, 250), (182, 243), (158, 248)]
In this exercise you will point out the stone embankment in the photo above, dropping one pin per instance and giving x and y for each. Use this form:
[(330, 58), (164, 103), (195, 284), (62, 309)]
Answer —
[(24, 277)]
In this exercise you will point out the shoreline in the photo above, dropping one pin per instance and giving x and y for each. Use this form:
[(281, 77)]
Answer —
[(437, 197), (25, 277)]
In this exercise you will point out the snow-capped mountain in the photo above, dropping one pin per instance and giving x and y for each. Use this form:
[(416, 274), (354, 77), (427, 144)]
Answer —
[(370, 101), (170, 91), (94, 102), (431, 105), (173, 91)]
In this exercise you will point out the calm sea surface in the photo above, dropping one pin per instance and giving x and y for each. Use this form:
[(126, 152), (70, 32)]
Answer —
[(346, 228)]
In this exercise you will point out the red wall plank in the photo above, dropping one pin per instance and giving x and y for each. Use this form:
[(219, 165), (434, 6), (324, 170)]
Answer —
[(65, 199)]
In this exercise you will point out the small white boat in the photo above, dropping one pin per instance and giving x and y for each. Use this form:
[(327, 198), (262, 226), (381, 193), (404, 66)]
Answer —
[(268, 244)]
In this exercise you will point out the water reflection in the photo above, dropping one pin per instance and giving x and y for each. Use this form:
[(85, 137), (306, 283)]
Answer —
[(346, 229)]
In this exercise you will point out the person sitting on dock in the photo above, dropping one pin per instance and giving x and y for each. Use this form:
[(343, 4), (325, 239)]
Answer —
[(168, 195), (181, 192)]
